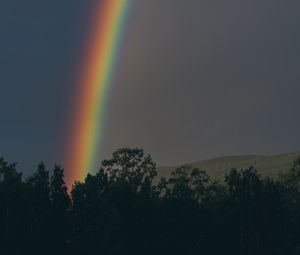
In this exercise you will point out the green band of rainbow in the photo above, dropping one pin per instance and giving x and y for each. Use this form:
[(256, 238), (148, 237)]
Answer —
[(95, 82)]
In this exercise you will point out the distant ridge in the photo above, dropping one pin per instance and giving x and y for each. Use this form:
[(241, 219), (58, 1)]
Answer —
[(216, 168)]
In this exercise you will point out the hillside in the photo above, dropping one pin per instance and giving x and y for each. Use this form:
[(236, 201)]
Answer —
[(269, 166)]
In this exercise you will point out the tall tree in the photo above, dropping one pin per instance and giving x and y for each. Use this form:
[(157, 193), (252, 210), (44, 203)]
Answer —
[(60, 204), (40, 215), (12, 209)]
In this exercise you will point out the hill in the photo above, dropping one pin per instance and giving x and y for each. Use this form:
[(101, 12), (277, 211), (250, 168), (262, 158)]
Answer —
[(270, 166)]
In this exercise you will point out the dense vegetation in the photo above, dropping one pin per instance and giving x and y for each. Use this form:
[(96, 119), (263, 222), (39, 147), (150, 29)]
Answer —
[(122, 211)]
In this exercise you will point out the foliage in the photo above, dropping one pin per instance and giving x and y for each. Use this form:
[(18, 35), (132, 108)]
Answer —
[(123, 210)]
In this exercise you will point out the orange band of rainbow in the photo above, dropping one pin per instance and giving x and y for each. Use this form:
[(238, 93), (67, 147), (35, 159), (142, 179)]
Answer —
[(95, 81)]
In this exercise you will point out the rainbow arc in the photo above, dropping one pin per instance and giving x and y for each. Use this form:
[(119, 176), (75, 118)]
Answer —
[(93, 89)]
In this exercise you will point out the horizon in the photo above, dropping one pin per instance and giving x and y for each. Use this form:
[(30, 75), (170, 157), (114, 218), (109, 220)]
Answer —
[(27, 174)]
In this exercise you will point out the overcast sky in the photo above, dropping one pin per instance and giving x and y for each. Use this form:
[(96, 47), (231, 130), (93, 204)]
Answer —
[(196, 78)]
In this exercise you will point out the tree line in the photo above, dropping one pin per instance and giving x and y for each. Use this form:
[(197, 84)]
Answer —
[(125, 209)]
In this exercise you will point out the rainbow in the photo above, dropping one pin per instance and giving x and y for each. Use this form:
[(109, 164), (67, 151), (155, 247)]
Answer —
[(93, 90)]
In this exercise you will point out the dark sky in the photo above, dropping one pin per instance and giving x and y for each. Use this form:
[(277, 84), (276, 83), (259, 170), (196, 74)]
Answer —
[(197, 78)]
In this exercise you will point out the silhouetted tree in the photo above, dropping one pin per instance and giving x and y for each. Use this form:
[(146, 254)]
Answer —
[(291, 181), (40, 214), (124, 209), (60, 205), (12, 209)]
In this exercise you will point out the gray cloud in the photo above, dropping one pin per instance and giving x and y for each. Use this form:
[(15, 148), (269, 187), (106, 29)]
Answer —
[(196, 79)]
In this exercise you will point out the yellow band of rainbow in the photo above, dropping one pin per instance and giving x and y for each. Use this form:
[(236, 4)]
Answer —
[(95, 81)]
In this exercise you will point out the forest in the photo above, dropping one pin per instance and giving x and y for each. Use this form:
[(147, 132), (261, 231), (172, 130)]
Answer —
[(125, 209)]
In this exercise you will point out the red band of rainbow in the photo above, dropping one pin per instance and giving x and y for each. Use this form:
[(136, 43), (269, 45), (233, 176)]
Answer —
[(95, 81)]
